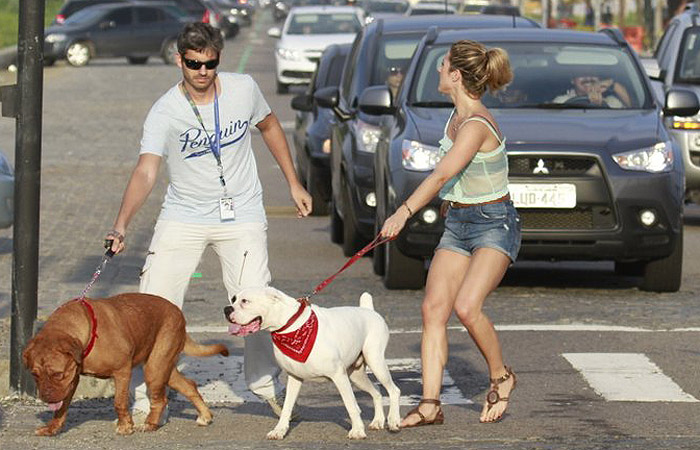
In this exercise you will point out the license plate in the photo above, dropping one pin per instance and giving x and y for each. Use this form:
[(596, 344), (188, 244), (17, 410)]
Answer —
[(560, 195)]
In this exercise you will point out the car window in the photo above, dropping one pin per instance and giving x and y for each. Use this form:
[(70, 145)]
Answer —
[(665, 40), (350, 64), (378, 6), (120, 17), (688, 67), (324, 23), (548, 76), (393, 52), (148, 15), (85, 16), (335, 71)]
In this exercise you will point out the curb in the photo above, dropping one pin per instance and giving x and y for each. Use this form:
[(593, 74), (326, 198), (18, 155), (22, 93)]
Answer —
[(8, 56)]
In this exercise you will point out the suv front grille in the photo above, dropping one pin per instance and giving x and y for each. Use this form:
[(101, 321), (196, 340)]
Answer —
[(554, 165), (579, 218)]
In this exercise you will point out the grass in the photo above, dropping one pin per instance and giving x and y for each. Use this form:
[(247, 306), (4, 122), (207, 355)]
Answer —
[(9, 18)]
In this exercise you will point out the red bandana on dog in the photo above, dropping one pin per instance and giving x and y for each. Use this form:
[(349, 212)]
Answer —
[(299, 343)]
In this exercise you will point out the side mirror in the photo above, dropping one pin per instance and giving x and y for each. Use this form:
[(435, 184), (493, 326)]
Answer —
[(303, 102), (274, 32), (376, 100), (652, 69), (327, 97), (681, 102)]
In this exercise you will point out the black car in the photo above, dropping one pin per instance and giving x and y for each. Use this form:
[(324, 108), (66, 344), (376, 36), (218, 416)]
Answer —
[(591, 181), (381, 47), (137, 31), (312, 128)]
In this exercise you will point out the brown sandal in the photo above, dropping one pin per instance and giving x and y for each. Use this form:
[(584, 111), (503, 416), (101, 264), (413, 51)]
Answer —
[(494, 397), (439, 416)]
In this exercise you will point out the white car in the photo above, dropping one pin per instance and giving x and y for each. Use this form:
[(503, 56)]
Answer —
[(307, 31)]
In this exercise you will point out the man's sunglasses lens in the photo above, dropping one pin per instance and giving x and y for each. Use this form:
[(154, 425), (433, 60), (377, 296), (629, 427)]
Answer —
[(196, 65)]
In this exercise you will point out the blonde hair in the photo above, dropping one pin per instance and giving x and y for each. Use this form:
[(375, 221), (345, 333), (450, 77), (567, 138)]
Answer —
[(481, 68)]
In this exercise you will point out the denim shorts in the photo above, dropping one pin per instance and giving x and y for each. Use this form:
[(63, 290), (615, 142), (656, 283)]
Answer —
[(491, 225)]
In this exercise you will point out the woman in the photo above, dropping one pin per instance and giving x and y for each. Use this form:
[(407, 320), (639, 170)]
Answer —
[(482, 228)]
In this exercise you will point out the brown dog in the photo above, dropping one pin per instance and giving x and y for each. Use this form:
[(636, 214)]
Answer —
[(105, 338)]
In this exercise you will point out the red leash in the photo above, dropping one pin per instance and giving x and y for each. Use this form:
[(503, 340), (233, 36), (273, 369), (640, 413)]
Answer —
[(375, 243)]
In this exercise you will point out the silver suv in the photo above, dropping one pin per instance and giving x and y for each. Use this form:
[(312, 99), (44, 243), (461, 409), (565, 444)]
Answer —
[(678, 59)]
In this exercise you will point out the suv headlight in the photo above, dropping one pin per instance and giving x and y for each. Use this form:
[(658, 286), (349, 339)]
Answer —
[(55, 37), (418, 156), (367, 136), (685, 123), (658, 158), (290, 54)]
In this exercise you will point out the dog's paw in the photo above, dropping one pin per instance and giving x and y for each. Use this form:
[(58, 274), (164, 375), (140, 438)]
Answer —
[(46, 431), (125, 428), (377, 424), (146, 427), (204, 421), (394, 423), (357, 433), (277, 433)]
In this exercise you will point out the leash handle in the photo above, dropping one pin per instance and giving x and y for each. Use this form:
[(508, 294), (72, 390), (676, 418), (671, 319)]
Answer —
[(108, 245), (377, 241)]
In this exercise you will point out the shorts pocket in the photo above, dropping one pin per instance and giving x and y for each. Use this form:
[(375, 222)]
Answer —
[(493, 211)]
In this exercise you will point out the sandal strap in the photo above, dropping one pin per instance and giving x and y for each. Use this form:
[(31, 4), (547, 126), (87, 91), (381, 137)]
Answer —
[(497, 381), (430, 401), (418, 413)]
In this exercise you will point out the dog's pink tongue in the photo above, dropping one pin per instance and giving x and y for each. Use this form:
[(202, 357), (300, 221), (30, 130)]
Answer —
[(55, 406), (243, 330)]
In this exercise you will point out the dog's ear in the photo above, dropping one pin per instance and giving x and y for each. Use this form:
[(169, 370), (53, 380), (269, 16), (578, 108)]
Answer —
[(73, 348), (274, 294)]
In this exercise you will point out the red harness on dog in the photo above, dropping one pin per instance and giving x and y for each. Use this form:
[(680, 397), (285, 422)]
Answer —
[(299, 343)]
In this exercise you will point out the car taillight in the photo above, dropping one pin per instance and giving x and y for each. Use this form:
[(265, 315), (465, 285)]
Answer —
[(60, 18), (205, 17)]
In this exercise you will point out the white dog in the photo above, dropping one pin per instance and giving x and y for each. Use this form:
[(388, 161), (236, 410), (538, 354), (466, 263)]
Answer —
[(312, 342)]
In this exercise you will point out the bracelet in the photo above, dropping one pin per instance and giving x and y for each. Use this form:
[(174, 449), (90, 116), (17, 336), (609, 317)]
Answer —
[(410, 213), (117, 235)]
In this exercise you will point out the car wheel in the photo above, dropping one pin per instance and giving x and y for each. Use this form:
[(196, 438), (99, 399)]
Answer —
[(320, 205), (401, 271), (664, 275), (48, 62), (336, 225), (78, 54), (169, 53), (137, 59), (352, 242), (282, 88)]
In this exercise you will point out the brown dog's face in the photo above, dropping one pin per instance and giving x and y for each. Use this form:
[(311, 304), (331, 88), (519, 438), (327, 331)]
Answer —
[(55, 366)]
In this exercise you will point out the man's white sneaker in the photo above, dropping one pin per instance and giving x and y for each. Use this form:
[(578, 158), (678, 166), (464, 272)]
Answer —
[(276, 404)]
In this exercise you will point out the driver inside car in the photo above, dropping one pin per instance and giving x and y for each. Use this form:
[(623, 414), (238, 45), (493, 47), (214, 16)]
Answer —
[(591, 89)]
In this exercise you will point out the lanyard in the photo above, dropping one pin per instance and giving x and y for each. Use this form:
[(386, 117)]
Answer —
[(214, 144)]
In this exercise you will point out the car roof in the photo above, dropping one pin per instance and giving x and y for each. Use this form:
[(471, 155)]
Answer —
[(324, 9), (422, 23), (537, 35)]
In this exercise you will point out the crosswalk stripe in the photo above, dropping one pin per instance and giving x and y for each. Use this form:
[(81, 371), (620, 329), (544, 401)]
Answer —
[(627, 377), (221, 380)]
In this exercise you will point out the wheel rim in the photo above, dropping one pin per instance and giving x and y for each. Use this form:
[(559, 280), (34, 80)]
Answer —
[(78, 54)]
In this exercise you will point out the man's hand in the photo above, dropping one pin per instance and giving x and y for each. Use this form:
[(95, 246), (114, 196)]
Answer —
[(302, 200)]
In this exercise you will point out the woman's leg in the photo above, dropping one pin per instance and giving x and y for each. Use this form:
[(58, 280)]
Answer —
[(444, 279), (483, 276)]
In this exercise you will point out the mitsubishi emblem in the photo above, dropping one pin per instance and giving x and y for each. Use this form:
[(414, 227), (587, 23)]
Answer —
[(540, 169)]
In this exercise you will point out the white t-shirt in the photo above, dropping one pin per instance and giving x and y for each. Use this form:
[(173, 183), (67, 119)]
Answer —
[(172, 131)]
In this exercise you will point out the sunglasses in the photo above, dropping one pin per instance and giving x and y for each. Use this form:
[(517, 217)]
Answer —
[(394, 70), (196, 65)]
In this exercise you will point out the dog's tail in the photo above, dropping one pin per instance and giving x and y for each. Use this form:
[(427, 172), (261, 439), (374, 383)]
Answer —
[(366, 301), (193, 348)]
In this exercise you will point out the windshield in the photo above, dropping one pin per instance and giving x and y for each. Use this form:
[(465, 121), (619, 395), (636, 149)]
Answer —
[(339, 23), (378, 6), (689, 67), (84, 16), (560, 76), (393, 55)]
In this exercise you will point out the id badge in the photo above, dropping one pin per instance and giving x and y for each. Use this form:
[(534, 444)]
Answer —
[(226, 208)]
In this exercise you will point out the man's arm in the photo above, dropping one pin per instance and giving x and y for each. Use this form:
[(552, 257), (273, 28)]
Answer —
[(140, 185), (276, 142)]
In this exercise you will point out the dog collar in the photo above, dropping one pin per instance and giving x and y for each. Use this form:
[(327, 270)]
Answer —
[(93, 326), (298, 343)]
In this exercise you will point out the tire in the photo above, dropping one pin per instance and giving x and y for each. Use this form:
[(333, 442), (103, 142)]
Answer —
[(78, 54), (352, 241), (137, 60), (664, 275), (282, 88), (336, 225), (312, 180), (48, 62), (169, 52), (401, 271)]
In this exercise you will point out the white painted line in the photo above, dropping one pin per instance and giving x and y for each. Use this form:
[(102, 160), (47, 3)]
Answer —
[(627, 377), (222, 380), (521, 327)]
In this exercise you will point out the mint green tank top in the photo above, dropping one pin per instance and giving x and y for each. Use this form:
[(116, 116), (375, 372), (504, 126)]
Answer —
[(485, 178)]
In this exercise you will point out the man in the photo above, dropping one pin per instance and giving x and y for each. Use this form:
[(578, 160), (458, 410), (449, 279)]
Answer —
[(593, 90), (201, 126)]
